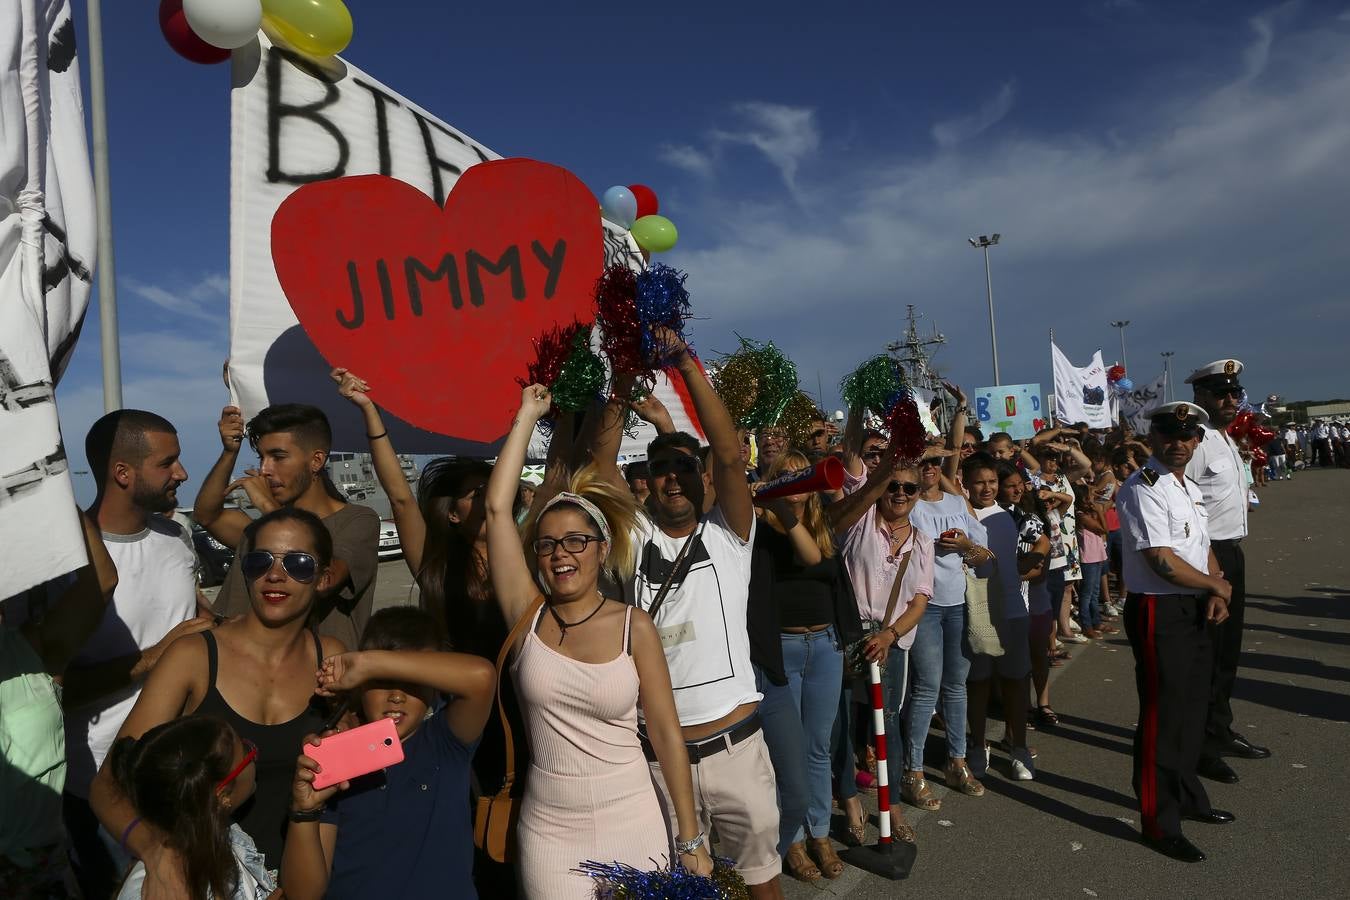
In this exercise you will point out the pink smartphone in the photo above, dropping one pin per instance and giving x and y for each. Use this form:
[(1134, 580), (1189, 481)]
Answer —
[(355, 752)]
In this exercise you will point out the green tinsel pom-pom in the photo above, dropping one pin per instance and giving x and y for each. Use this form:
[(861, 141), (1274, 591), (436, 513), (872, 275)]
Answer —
[(797, 417), (581, 377), (874, 385), (756, 383)]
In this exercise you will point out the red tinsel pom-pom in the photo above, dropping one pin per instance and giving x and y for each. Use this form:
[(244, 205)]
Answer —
[(617, 308), (907, 432), (552, 348)]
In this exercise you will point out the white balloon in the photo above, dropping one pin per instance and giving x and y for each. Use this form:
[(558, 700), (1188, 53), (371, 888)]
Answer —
[(228, 24)]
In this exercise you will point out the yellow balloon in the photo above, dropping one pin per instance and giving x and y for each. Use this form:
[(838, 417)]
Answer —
[(314, 27)]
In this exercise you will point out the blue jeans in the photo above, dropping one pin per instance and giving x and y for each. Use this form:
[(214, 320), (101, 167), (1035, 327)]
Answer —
[(940, 660), (1089, 595), (783, 736), (814, 665), (894, 681)]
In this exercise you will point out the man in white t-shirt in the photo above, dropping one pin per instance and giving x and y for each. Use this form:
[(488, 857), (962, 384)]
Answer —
[(133, 455), (693, 579)]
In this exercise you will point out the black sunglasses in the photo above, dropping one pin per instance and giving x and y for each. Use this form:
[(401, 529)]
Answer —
[(572, 543), (1233, 391), (300, 566), (679, 464), (874, 454), (909, 487)]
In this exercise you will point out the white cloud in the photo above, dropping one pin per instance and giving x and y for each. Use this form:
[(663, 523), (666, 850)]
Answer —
[(203, 299), (691, 159), (786, 135), (962, 128)]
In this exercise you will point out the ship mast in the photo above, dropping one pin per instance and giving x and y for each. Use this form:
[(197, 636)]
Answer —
[(912, 352)]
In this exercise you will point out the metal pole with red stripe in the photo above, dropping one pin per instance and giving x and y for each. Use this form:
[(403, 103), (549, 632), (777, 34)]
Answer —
[(886, 858)]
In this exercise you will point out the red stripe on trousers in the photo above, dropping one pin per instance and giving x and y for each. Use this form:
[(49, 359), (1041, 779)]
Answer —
[(1148, 775)]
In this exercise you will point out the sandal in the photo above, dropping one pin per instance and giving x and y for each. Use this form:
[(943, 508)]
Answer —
[(901, 830), (831, 866), (915, 791), (960, 778), (799, 865), (1046, 716), (855, 830)]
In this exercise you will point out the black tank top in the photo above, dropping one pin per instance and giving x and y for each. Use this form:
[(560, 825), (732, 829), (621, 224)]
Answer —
[(263, 816)]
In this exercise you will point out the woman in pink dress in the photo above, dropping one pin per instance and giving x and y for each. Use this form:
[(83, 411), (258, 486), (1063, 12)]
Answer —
[(581, 669)]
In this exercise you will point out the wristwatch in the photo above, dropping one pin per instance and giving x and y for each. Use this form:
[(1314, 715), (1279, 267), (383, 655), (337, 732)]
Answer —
[(683, 847)]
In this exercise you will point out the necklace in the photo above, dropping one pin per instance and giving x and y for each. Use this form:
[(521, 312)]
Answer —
[(890, 556), (563, 626)]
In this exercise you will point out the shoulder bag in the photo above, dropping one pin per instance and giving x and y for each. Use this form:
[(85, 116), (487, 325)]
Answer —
[(854, 659), (983, 605)]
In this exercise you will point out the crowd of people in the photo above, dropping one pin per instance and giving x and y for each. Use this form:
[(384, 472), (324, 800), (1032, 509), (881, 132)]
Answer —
[(645, 656)]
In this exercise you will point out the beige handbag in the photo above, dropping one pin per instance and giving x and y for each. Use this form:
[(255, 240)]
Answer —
[(983, 605)]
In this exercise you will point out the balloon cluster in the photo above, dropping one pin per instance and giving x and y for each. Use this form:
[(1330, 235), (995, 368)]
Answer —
[(566, 365), (635, 208), (1246, 427), (205, 31), (756, 383), (619, 881), (631, 305), (879, 385), (1115, 377)]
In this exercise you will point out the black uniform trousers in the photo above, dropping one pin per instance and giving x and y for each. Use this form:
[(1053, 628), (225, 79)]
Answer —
[(1172, 668), (1227, 640)]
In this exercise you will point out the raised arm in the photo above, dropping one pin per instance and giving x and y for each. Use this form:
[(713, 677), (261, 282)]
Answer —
[(952, 466), (804, 546), (412, 529), (728, 474), (225, 525), (511, 579), (607, 436), (844, 514), (853, 443)]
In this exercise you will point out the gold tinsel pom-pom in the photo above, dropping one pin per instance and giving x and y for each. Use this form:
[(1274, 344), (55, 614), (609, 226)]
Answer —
[(796, 419)]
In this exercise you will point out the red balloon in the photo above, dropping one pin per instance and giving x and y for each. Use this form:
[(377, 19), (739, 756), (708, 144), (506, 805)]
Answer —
[(1115, 373), (646, 200), (1259, 458), (1241, 424), (1258, 436), (174, 24)]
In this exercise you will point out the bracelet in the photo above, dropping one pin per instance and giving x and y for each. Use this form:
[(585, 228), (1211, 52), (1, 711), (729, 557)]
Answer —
[(683, 847), (960, 409), (305, 815), (376, 437), (126, 833)]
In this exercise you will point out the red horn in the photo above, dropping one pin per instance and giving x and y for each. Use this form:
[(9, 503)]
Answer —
[(826, 475)]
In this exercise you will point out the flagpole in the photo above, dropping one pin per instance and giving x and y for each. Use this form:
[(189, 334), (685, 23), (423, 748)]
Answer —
[(107, 279)]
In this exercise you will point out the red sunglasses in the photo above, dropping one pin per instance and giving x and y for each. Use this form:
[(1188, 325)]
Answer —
[(250, 754)]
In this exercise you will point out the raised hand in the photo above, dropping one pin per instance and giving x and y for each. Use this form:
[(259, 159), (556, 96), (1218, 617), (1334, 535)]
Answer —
[(536, 401), (649, 408), (341, 672), (668, 346), (351, 387), (255, 484), (231, 427), (955, 390), (304, 798)]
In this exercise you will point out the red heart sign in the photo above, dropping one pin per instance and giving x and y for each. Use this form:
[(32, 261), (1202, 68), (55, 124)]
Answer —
[(1038, 425), (436, 307)]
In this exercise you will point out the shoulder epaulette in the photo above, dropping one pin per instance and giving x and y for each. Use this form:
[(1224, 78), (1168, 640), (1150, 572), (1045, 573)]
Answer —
[(1148, 476)]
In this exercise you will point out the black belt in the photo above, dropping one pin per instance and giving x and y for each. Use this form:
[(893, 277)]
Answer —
[(701, 750), (1226, 541)]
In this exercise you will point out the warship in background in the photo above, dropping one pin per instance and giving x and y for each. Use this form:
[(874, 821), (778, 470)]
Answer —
[(912, 352), (353, 474)]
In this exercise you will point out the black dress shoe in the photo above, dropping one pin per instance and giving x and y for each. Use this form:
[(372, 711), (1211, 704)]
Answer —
[(1176, 847), (1213, 817), (1242, 748), (1216, 770)]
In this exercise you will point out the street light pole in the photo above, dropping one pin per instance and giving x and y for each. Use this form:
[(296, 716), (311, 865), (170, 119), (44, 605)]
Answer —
[(1121, 325), (1167, 375), (984, 242), (107, 278)]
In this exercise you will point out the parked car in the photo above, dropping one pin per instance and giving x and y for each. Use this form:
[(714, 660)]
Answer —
[(390, 546)]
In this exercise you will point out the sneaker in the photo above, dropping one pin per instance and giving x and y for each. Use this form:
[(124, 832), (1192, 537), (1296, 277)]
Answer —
[(1074, 626), (1023, 769), (1075, 639), (978, 760)]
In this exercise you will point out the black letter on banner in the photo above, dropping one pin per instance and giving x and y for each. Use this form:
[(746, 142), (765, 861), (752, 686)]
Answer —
[(510, 259), (412, 267), (553, 262), (381, 121), (276, 111), (386, 288), (358, 305), (437, 164)]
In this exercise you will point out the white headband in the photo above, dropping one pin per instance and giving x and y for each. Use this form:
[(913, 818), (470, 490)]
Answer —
[(587, 506)]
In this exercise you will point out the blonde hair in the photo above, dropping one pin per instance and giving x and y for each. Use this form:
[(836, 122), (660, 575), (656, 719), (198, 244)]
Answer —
[(621, 512), (813, 516)]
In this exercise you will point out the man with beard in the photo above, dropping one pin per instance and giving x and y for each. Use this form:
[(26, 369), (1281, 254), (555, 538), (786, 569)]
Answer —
[(1177, 595), (693, 578), (1218, 469), (292, 441), (133, 456)]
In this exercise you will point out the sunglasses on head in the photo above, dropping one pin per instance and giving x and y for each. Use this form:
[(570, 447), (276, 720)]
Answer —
[(572, 543), (302, 567), (909, 487), (250, 754), (679, 464)]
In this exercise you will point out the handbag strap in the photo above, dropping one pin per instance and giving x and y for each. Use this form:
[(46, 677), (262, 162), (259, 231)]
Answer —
[(525, 618), (895, 587), (670, 576)]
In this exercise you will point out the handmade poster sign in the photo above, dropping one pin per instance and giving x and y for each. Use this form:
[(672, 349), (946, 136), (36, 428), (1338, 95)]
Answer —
[(408, 251), (1014, 408), (1081, 393)]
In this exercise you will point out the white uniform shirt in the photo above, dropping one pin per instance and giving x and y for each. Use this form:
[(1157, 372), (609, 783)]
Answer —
[(1217, 467), (1290, 437), (701, 621), (1168, 513), (1319, 432)]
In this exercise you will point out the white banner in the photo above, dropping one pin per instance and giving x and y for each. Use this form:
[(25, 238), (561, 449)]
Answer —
[(295, 123), (1080, 393), (46, 274), (1135, 405)]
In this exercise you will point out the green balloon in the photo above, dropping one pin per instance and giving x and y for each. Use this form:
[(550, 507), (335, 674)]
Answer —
[(655, 234)]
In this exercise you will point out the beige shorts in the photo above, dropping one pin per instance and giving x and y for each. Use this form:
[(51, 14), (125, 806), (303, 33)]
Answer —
[(736, 792)]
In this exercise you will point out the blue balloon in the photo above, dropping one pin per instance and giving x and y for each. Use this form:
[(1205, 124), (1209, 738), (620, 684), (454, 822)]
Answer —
[(1125, 385), (619, 206)]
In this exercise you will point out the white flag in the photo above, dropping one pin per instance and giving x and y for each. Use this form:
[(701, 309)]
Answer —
[(1137, 404), (46, 263), (1080, 393)]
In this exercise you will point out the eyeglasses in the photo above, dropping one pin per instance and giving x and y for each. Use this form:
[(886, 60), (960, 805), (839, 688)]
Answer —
[(572, 543), (967, 446), (1225, 391), (909, 487), (250, 754), (300, 566), (680, 464)]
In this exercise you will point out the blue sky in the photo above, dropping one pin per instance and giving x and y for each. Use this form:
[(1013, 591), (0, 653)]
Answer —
[(1180, 165)]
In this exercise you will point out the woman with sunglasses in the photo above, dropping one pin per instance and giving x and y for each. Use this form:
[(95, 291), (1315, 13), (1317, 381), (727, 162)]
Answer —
[(187, 777), (583, 663), (257, 673), (880, 544)]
